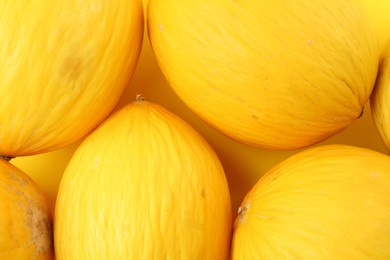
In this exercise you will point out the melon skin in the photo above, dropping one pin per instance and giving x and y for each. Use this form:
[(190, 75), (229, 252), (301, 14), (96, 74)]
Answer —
[(327, 202), (379, 100), (63, 67), (378, 11), (272, 74), (144, 185), (25, 217)]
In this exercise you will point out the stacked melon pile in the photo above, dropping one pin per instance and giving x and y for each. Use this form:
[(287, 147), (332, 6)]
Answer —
[(144, 184)]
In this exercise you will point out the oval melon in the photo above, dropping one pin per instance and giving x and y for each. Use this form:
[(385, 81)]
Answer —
[(25, 217), (276, 74), (144, 185), (63, 68), (328, 202)]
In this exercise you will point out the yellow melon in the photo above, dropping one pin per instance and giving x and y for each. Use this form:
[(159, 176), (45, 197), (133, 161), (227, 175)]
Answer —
[(64, 66), (328, 202), (25, 217), (379, 101), (378, 11), (144, 185), (275, 74)]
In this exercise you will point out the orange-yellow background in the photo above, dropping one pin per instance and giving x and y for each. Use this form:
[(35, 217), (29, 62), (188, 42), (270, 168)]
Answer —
[(243, 164)]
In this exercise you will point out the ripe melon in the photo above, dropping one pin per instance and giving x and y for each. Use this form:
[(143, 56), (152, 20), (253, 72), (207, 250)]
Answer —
[(144, 185), (378, 12), (63, 68), (328, 202), (25, 217), (275, 74), (379, 100)]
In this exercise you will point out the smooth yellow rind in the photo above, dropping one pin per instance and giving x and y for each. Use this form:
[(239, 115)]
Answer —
[(144, 185), (378, 11), (275, 74), (64, 66)]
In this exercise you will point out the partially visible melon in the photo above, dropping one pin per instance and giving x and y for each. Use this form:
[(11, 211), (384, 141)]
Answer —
[(275, 74), (378, 11), (63, 67), (328, 202), (144, 185), (380, 99), (25, 217)]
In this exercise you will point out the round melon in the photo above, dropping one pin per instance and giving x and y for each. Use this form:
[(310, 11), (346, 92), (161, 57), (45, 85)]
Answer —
[(328, 202), (25, 217), (63, 67), (274, 74), (144, 185), (379, 100)]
